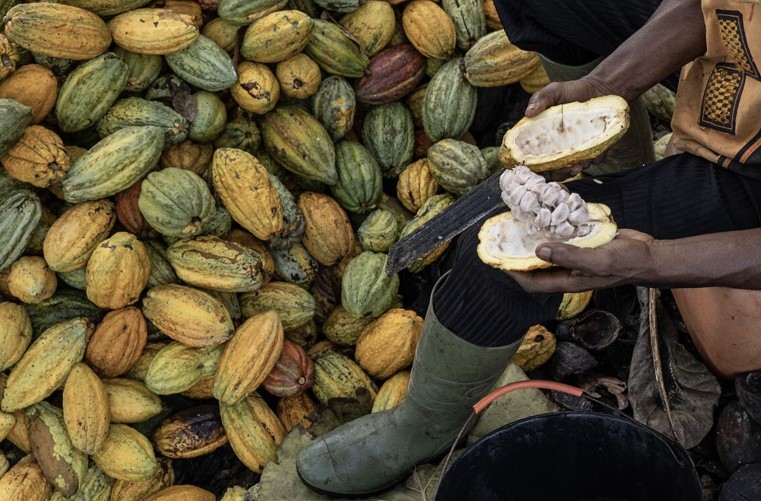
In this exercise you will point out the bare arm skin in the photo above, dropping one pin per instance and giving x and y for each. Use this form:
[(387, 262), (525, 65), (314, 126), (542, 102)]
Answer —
[(673, 36), (727, 259)]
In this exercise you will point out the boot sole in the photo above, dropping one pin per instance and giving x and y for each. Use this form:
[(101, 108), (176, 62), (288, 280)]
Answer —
[(358, 495)]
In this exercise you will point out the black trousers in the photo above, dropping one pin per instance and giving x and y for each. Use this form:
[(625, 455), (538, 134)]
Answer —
[(575, 32), (677, 197)]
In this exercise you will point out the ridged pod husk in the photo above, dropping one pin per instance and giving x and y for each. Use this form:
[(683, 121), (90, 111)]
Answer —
[(296, 410), (123, 252), (393, 392), (62, 464), (248, 240), (493, 22), (572, 304), (26, 481), (249, 356), (140, 369), (14, 118), (203, 64), (372, 25), (536, 80), (89, 91), (31, 281), (433, 206), (299, 76), (537, 348), (379, 231), (202, 390), (37, 158), (450, 102), (254, 431), (293, 373), (456, 165), (177, 367), (57, 30), (107, 7), (96, 486), (388, 344), (343, 328), (416, 184), (328, 235), (430, 29), (130, 401), (47, 218), (176, 202), (242, 12), (20, 212), (297, 141), (19, 434), (125, 490), (366, 290), (494, 62), (15, 333), (392, 74), (336, 53), (181, 493), (276, 37), (388, 132), (414, 102), (32, 85), (85, 409), (294, 305), (126, 454), (162, 272), (190, 433), (73, 237), (142, 69), (128, 212), (118, 341), (223, 33), (135, 111), (468, 19), (212, 263), (9, 56), (244, 186), (188, 315), (295, 265), (153, 31), (335, 105), (189, 155), (64, 305), (114, 164), (338, 376), (45, 365), (360, 180)]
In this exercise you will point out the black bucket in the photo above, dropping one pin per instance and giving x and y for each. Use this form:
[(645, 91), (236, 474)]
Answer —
[(572, 456)]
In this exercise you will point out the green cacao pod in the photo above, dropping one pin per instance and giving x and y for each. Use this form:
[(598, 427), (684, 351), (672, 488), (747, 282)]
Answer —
[(294, 305), (338, 376), (276, 36), (20, 212), (139, 112), (177, 367), (204, 65), (450, 103), (254, 431), (241, 133), (162, 272), (143, 69), (366, 290), (113, 164), (493, 62), (469, 20), (14, 118), (334, 105), (379, 231), (456, 165), (210, 117), (89, 91), (176, 202), (336, 53), (243, 12), (360, 180), (298, 141), (388, 132), (63, 306)]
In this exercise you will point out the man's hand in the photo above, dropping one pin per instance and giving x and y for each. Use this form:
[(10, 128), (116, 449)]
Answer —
[(627, 259)]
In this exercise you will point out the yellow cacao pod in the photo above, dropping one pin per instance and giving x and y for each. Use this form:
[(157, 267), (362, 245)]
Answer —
[(277, 36), (153, 31), (430, 29), (393, 392), (537, 348), (416, 184), (85, 409), (19, 434), (536, 80), (32, 85), (388, 343), (9, 56), (493, 61), (15, 333), (130, 401), (140, 369), (118, 271), (47, 362), (254, 431), (372, 25), (257, 90), (202, 390), (37, 158), (31, 281), (328, 234), (188, 155), (572, 304), (118, 341), (137, 490), (126, 454), (182, 493), (7, 420), (299, 76), (25, 481), (249, 357)]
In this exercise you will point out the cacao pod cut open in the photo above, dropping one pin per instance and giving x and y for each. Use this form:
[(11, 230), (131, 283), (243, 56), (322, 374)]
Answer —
[(565, 134)]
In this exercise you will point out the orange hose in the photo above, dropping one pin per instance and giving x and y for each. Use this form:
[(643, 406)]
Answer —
[(520, 385)]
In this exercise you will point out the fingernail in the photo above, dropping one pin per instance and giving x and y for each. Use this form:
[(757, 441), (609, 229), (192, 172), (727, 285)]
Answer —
[(543, 253)]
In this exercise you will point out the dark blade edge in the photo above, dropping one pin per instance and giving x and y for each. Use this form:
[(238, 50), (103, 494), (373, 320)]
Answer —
[(464, 212)]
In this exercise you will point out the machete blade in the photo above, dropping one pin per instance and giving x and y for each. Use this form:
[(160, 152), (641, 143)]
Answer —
[(464, 212)]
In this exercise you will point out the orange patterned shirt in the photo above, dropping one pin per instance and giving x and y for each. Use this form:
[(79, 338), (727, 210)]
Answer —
[(718, 112)]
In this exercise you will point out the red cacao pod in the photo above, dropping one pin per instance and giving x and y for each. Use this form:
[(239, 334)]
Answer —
[(392, 74), (293, 374)]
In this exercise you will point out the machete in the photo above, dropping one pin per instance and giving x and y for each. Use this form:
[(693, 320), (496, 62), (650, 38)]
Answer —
[(463, 213)]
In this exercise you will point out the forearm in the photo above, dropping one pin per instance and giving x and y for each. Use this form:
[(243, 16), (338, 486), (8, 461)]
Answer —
[(729, 259), (674, 36)]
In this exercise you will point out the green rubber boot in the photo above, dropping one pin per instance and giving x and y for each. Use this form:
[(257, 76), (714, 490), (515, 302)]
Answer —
[(372, 453), (635, 148)]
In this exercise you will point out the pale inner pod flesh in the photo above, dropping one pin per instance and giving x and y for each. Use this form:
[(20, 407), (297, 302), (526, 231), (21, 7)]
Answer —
[(540, 212), (564, 131)]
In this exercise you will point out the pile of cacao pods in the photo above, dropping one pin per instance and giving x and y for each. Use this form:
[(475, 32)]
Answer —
[(196, 198)]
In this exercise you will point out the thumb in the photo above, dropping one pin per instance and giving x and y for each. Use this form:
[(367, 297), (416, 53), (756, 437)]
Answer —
[(566, 255), (543, 99)]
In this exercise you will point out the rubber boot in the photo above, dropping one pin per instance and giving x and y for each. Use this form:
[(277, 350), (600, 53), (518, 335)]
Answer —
[(635, 148), (372, 453)]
